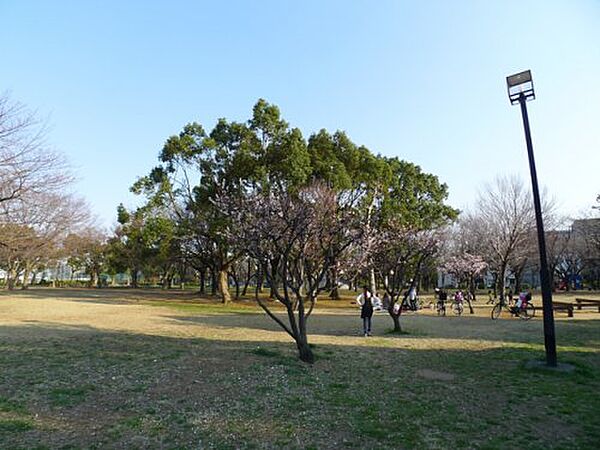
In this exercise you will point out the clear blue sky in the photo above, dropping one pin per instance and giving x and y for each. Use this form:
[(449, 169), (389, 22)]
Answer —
[(422, 80)]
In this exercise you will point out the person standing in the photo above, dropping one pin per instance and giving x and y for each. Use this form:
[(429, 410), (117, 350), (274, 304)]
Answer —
[(412, 298), (441, 303), (366, 311)]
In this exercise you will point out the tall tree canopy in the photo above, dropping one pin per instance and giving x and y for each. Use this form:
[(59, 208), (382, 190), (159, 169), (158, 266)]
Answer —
[(204, 179)]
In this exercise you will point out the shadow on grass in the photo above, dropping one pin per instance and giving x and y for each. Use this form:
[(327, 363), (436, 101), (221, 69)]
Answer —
[(106, 295), (578, 332)]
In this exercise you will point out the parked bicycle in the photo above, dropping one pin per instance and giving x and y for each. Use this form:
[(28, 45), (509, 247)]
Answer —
[(415, 305)]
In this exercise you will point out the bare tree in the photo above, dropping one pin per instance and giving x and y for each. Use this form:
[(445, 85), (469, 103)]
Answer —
[(86, 251), (399, 257), (504, 221), (585, 248), (28, 166), (294, 239), (463, 255), (34, 226)]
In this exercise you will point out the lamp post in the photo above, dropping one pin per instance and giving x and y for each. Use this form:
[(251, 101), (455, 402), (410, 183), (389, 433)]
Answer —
[(520, 90)]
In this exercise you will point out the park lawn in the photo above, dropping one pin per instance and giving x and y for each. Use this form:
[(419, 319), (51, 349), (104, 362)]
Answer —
[(146, 369)]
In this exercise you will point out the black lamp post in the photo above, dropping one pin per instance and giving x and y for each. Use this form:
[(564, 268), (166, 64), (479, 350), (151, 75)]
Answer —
[(520, 90)]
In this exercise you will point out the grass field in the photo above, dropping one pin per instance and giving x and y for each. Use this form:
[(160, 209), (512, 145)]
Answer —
[(146, 369)]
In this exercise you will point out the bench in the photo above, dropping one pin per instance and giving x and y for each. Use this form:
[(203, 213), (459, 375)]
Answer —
[(581, 302), (562, 306)]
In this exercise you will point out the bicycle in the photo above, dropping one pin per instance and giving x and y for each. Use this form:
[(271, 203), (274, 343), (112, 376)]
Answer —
[(415, 305), (525, 312), (457, 307), (441, 308)]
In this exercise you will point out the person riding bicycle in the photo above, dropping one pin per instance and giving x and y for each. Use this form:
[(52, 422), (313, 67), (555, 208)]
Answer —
[(524, 299), (458, 296), (442, 297)]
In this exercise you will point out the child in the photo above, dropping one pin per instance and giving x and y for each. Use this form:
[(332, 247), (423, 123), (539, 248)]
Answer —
[(458, 297)]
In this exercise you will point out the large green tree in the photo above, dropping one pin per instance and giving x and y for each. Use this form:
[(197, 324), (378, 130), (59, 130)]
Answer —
[(197, 167)]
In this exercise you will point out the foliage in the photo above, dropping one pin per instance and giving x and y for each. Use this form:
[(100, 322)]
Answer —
[(265, 170)]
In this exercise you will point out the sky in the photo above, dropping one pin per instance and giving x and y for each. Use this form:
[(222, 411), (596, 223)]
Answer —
[(420, 80)]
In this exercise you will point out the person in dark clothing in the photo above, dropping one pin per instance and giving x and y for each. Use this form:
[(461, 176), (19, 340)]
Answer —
[(366, 311), (441, 303)]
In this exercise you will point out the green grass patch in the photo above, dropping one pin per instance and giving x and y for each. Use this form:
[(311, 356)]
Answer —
[(15, 425), (134, 423), (261, 351), (7, 405), (69, 396)]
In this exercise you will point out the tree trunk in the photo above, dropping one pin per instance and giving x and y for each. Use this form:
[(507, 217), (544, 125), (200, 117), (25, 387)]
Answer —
[(213, 281), (471, 290), (134, 278), (224, 287), (372, 281), (11, 278), (501, 281), (246, 284), (202, 281), (519, 278), (25, 284), (472, 287), (260, 280), (335, 293), (166, 282), (248, 277), (396, 319), (236, 282), (304, 351), (94, 280), (495, 285)]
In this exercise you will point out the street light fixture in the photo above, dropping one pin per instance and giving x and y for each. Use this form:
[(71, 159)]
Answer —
[(520, 90), (520, 84)]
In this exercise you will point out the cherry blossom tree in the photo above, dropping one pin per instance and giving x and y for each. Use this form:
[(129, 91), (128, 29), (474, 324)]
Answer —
[(465, 267), (294, 239), (400, 254)]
